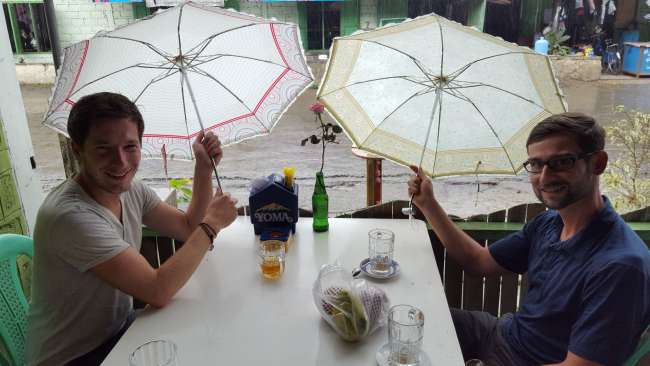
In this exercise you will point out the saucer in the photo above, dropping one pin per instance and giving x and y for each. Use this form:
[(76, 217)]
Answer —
[(365, 268), (384, 351)]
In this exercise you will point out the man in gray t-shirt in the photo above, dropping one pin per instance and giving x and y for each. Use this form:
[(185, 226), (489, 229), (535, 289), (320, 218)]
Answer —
[(87, 265)]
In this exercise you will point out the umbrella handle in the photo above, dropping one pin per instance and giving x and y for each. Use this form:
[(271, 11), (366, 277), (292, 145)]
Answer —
[(214, 166), (198, 115), (409, 211)]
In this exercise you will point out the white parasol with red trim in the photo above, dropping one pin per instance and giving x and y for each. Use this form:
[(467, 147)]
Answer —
[(189, 68)]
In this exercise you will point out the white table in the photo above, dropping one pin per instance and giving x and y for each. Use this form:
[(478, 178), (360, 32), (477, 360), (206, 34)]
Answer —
[(227, 314)]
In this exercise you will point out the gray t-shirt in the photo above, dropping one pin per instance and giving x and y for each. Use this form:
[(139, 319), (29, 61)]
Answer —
[(73, 311)]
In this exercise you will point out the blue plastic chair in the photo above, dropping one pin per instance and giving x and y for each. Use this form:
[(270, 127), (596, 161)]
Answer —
[(13, 304)]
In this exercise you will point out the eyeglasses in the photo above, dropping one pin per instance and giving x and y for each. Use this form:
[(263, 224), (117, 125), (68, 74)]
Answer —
[(557, 163)]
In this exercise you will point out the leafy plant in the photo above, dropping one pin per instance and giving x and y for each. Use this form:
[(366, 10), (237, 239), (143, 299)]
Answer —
[(555, 40), (327, 132), (184, 187), (627, 176)]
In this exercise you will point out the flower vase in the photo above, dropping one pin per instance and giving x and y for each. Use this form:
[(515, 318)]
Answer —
[(320, 205)]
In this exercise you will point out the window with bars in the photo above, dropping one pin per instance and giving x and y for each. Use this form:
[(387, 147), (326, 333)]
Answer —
[(27, 27)]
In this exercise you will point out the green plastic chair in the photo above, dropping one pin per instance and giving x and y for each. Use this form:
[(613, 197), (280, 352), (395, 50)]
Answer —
[(13, 305), (643, 349)]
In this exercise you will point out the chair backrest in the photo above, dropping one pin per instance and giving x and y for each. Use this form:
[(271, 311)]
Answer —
[(13, 304)]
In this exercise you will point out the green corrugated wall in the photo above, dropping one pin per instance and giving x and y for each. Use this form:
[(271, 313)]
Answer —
[(349, 17)]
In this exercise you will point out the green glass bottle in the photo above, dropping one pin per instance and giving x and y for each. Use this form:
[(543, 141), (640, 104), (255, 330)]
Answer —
[(320, 204)]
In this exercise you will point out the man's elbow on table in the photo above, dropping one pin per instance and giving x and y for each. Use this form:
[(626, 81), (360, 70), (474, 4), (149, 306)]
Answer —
[(130, 273), (158, 301)]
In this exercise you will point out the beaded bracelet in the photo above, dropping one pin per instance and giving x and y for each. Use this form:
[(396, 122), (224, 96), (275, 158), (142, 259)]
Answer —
[(209, 232)]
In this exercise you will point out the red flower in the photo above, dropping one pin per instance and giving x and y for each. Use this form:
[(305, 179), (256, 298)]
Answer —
[(317, 108)]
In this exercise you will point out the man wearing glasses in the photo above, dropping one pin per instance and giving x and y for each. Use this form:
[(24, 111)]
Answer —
[(588, 300)]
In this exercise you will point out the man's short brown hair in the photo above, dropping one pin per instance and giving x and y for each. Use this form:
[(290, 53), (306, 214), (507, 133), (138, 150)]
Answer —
[(98, 107), (588, 134)]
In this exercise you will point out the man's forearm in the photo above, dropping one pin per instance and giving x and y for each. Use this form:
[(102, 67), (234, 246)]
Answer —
[(201, 196), (459, 245), (177, 270)]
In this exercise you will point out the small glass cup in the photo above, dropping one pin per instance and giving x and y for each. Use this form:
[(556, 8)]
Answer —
[(271, 258), (381, 243), (405, 332), (154, 353)]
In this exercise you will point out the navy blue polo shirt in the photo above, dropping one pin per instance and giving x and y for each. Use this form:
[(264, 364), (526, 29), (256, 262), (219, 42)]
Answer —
[(589, 295)]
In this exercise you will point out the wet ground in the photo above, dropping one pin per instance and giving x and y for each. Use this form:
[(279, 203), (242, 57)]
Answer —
[(344, 173)]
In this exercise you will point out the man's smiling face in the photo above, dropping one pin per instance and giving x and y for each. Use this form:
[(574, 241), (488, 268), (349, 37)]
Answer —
[(558, 189), (110, 155)]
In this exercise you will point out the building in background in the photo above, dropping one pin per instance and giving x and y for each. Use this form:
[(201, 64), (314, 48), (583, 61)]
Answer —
[(320, 21)]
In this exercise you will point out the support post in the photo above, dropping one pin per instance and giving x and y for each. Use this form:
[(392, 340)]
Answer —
[(69, 163), (373, 176)]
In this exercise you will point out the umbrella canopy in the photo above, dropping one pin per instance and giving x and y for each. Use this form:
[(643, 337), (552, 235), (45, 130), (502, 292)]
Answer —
[(187, 68), (437, 94)]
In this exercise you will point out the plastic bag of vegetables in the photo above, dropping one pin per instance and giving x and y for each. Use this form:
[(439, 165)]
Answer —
[(352, 307)]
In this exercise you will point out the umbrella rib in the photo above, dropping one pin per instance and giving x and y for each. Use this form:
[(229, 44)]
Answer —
[(203, 73), (480, 84), (468, 100), (442, 48), (391, 113), (464, 68), (405, 77), (396, 50), (149, 66), (206, 42), (178, 30), (451, 92), (110, 74), (149, 45), (415, 60), (158, 78), (220, 55)]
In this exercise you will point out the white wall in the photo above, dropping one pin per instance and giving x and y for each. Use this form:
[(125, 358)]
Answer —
[(36, 73), (12, 110), (284, 12), (81, 19)]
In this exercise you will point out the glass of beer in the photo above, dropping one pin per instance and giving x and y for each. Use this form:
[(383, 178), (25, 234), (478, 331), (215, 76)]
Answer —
[(271, 258), (381, 243)]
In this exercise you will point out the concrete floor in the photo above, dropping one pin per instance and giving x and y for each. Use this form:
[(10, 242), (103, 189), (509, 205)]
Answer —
[(344, 173)]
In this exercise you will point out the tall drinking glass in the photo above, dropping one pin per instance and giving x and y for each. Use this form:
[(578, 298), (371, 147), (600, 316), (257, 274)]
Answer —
[(154, 353), (381, 243), (405, 332)]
